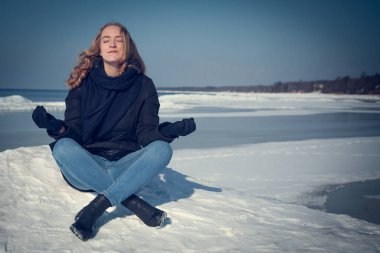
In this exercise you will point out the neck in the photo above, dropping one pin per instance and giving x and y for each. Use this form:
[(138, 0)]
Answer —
[(111, 69)]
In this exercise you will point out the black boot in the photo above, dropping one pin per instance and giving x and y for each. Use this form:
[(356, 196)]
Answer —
[(151, 216), (85, 219)]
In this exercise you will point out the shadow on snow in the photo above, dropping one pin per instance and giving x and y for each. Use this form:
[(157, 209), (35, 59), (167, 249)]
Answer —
[(168, 186)]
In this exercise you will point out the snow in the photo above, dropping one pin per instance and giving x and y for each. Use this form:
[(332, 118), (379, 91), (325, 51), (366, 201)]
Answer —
[(263, 104), (248, 198), (18, 103), (206, 104)]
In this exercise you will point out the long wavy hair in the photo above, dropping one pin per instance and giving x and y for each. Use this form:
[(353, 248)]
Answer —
[(87, 57)]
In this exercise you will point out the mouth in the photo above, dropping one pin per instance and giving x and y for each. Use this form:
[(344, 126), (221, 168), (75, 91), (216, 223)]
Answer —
[(112, 51)]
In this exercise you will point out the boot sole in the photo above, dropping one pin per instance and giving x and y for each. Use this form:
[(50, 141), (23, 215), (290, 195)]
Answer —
[(81, 234), (163, 219)]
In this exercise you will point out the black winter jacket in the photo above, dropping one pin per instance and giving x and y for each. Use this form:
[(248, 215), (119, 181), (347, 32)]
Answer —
[(138, 127)]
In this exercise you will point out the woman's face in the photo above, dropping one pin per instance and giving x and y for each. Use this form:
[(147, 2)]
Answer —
[(112, 46)]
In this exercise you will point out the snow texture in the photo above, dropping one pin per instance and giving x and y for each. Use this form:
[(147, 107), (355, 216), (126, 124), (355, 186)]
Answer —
[(240, 104), (247, 198)]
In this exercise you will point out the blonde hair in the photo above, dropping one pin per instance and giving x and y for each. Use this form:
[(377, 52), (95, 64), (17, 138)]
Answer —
[(87, 57)]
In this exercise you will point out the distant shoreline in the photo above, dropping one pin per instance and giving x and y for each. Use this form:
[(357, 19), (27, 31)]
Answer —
[(191, 89), (240, 89), (363, 85)]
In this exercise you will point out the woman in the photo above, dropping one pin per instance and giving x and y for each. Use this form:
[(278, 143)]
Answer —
[(110, 141)]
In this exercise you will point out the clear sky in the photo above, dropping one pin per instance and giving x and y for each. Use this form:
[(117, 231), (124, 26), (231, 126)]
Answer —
[(194, 43)]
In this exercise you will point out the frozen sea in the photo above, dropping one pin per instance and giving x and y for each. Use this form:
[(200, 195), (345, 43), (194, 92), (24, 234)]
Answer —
[(262, 173), (223, 119)]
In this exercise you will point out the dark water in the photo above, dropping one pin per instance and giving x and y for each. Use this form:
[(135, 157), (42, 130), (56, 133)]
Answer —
[(360, 200), (214, 132), (17, 129)]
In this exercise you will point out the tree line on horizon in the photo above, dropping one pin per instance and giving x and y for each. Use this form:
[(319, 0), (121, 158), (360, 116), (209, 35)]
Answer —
[(365, 84)]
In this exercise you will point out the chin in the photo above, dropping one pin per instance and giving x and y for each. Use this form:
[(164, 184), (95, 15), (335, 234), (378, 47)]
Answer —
[(112, 61)]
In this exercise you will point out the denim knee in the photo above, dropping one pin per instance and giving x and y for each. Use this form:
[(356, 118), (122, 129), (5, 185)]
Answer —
[(162, 151), (63, 147)]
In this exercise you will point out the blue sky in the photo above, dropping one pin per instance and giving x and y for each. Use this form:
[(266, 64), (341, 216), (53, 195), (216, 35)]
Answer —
[(194, 43)]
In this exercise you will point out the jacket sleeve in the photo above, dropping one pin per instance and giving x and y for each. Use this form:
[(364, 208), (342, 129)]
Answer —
[(148, 120), (72, 122)]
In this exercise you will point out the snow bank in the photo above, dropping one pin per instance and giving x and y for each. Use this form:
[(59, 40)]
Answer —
[(287, 171), (228, 104), (18, 103), (237, 200), (267, 103)]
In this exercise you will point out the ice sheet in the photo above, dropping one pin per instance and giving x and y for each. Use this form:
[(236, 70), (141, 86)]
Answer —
[(234, 199), (229, 104)]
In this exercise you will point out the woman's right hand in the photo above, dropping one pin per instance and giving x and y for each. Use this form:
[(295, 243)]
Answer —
[(43, 119)]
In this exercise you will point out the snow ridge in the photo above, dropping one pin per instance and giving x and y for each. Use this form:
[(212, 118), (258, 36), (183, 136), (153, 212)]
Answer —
[(217, 104), (37, 208)]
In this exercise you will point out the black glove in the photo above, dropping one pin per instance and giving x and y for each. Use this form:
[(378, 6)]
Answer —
[(178, 128), (43, 119)]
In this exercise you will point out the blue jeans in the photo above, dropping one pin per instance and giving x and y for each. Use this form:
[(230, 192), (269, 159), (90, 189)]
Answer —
[(116, 180)]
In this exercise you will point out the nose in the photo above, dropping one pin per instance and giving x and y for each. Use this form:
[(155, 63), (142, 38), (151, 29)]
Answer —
[(112, 43)]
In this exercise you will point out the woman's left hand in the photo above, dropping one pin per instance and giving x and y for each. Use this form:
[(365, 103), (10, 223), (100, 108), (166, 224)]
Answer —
[(179, 128)]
